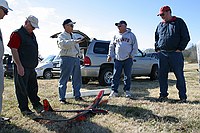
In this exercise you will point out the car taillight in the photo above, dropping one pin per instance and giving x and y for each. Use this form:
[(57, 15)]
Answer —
[(87, 61)]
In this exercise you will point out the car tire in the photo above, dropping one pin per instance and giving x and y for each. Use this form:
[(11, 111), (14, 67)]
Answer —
[(47, 74), (85, 80), (105, 76), (154, 73)]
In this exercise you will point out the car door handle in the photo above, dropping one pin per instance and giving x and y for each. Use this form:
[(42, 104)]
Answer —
[(134, 60)]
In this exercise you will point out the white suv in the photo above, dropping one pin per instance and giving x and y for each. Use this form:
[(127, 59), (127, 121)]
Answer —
[(95, 64), (45, 67), (96, 67)]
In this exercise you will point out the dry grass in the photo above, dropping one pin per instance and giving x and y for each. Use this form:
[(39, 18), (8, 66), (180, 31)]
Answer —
[(142, 115)]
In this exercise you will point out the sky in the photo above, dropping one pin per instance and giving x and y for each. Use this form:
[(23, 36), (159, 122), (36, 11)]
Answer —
[(96, 18)]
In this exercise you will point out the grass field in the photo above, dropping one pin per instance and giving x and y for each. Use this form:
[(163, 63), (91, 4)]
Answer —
[(141, 115)]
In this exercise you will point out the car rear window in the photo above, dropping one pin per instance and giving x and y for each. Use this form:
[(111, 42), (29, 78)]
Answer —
[(101, 48)]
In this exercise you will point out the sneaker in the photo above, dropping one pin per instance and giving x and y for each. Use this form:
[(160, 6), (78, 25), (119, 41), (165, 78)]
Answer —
[(162, 99), (182, 101), (27, 112), (128, 94), (4, 119), (79, 99), (113, 94), (63, 102)]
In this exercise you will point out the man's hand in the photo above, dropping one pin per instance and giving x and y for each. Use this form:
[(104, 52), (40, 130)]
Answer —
[(130, 56), (80, 40), (109, 59), (20, 70), (178, 50)]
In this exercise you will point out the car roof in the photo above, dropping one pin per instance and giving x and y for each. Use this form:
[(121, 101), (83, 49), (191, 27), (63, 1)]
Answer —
[(83, 44), (74, 31)]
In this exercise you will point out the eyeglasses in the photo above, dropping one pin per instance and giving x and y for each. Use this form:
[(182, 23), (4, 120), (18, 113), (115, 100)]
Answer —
[(162, 14), (4, 10), (31, 25), (120, 25), (71, 25)]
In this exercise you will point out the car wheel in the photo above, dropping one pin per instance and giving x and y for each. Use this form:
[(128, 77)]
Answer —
[(154, 72), (48, 74), (105, 76), (85, 80)]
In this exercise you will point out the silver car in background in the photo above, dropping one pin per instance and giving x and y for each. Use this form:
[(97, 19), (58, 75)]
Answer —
[(44, 68), (96, 67)]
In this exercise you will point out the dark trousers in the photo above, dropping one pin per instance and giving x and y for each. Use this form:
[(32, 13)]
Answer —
[(119, 66), (175, 61), (26, 87)]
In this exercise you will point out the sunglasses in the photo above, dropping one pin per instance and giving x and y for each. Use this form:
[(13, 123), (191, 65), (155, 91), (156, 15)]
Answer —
[(162, 14), (31, 25), (71, 25), (5, 10), (120, 25)]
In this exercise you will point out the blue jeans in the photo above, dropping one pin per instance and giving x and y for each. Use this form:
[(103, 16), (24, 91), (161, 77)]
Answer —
[(125, 65), (175, 61), (70, 66)]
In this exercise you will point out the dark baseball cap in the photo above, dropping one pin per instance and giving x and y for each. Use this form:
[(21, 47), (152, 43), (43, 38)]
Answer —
[(68, 21), (121, 22)]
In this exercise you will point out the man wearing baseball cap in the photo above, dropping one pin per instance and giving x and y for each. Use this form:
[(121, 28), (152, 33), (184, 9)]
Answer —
[(24, 48), (163, 10), (4, 7), (122, 22), (122, 50), (171, 38), (3, 11), (70, 62)]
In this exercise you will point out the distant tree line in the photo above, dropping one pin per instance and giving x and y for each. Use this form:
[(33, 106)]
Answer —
[(190, 54)]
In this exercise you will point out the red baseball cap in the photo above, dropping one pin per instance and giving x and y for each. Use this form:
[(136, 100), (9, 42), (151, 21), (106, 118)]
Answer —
[(164, 9)]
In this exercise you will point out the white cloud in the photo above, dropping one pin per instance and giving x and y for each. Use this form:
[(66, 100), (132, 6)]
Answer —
[(48, 24)]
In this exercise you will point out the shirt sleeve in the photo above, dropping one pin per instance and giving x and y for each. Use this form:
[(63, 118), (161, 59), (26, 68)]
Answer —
[(64, 42), (15, 40), (134, 46), (111, 51), (156, 40), (184, 34)]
